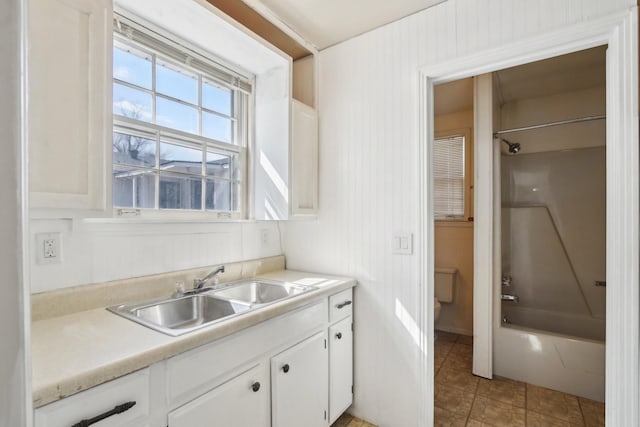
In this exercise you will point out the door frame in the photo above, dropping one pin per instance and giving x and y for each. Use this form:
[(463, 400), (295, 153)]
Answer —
[(620, 32)]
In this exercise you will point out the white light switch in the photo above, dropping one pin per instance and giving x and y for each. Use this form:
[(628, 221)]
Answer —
[(403, 243)]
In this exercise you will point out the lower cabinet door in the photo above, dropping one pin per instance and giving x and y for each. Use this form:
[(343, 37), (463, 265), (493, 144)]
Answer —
[(299, 384), (340, 368), (241, 402)]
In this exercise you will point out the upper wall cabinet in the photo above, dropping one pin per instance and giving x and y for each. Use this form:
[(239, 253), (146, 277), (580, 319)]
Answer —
[(304, 160), (69, 103)]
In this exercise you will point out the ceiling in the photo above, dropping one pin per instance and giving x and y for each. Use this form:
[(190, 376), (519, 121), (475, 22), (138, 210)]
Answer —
[(324, 23), (576, 71)]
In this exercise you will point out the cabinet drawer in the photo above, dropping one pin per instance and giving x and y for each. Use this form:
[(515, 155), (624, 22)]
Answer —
[(98, 400), (340, 305)]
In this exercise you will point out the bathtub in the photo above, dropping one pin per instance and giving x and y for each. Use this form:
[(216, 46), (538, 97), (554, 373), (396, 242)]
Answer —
[(554, 360)]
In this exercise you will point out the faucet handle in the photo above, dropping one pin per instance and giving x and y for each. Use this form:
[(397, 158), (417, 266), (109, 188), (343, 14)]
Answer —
[(506, 280)]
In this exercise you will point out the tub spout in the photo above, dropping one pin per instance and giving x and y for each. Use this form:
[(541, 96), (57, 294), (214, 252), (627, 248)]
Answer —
[(513, 298)]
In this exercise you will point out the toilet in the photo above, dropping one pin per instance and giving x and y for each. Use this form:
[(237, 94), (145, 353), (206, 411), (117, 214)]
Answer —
[(444, 281)]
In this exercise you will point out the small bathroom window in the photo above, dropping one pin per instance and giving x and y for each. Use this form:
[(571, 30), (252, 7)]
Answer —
[(449, 177)]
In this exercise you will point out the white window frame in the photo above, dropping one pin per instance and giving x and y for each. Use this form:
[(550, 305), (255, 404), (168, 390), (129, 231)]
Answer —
[(468, 172), (242, 131)]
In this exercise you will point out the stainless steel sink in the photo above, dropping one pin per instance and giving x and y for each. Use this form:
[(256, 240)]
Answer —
[(260, 292), (202, 307), (177, 316)]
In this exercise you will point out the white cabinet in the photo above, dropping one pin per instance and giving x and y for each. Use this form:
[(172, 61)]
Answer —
[(242, 401), (299, 380), (129, 393), (69, 103), (304, 160), (340, 367)]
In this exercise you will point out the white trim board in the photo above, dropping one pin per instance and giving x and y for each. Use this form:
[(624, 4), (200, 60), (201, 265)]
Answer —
[(619, 31)]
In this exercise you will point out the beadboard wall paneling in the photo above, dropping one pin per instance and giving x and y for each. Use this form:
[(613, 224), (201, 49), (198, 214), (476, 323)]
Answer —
[(109, 251), (368, 107)]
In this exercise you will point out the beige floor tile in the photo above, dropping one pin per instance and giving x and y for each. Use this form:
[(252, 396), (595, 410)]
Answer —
[(444, 418), (442, 348), (494, 413), (456, 378), (342, 421), (453, 399), (366, 424), (463, 349), (356, 422), (446, 336), (535, 419), (554, 403), (464, 339), (592, 411), (458, 361), (503, 390)]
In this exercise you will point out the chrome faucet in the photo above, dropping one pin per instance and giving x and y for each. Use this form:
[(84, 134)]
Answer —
[(513, 298), (199, 283)]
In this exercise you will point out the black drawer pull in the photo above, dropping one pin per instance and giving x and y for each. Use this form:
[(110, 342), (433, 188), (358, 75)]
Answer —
[(116, 410), (255, 386), (285, 368), (343, 304), (339, 335)]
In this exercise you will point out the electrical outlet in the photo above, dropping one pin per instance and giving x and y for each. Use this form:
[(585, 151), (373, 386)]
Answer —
[(264, 236), (48, 248)]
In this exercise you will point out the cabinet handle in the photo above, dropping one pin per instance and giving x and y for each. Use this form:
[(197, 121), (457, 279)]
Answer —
[(255, 386), (339, 335), (285, 368), (343, 304), (118, 409)]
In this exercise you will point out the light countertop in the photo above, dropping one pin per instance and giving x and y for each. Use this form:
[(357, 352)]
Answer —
[(74, 352)]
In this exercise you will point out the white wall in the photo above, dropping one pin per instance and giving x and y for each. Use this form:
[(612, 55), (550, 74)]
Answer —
[(95, 252), (368, 104), (14, 403)]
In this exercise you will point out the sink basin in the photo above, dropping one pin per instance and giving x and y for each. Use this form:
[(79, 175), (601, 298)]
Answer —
[(176, 316), (259, 292)]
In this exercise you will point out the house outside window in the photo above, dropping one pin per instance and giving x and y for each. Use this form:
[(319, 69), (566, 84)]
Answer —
[(181, 126)]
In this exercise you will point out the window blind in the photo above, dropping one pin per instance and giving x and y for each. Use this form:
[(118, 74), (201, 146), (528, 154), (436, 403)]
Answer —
[(181, 54), (448, 177)]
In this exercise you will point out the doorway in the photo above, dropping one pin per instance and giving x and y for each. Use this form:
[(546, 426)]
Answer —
[(622, 201)]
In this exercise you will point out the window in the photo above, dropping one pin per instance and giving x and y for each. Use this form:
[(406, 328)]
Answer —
[(180, 127), (449, 177)]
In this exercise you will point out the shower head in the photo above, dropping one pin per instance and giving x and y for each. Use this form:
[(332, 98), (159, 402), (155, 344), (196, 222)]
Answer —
[(514, 147)]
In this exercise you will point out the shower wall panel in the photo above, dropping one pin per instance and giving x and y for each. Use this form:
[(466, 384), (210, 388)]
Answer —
[(554, 230)]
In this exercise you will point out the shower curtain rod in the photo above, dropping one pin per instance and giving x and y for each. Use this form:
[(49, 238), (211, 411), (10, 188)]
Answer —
[(546, 125)]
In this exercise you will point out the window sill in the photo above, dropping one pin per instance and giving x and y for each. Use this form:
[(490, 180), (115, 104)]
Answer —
[(450, 223)]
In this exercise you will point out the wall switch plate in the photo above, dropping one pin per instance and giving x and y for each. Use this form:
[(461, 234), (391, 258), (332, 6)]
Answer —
[(403, 243), (48, 248)]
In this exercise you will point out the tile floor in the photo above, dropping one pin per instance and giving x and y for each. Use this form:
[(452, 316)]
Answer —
[(462, 399), (347, 420)]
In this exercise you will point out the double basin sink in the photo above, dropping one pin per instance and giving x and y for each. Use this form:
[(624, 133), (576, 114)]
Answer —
[(178, 315)]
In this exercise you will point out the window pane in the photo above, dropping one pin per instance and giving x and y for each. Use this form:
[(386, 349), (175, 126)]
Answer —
[(176, 116), (177, 158), (133, 188), (448, 177), (132, 66), (133, 150), (216, 98), (132, 103), (216, 127), (219, 165), (176, 82), (218, 195), (180, 192)]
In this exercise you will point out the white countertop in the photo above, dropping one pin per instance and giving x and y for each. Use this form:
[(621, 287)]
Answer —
[(74, 352)]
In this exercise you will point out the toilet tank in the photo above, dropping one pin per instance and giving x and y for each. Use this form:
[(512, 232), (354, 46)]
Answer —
[(445, 279)]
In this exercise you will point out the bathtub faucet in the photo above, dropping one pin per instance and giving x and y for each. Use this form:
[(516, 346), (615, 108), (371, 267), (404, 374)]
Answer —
[(513, 298)]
